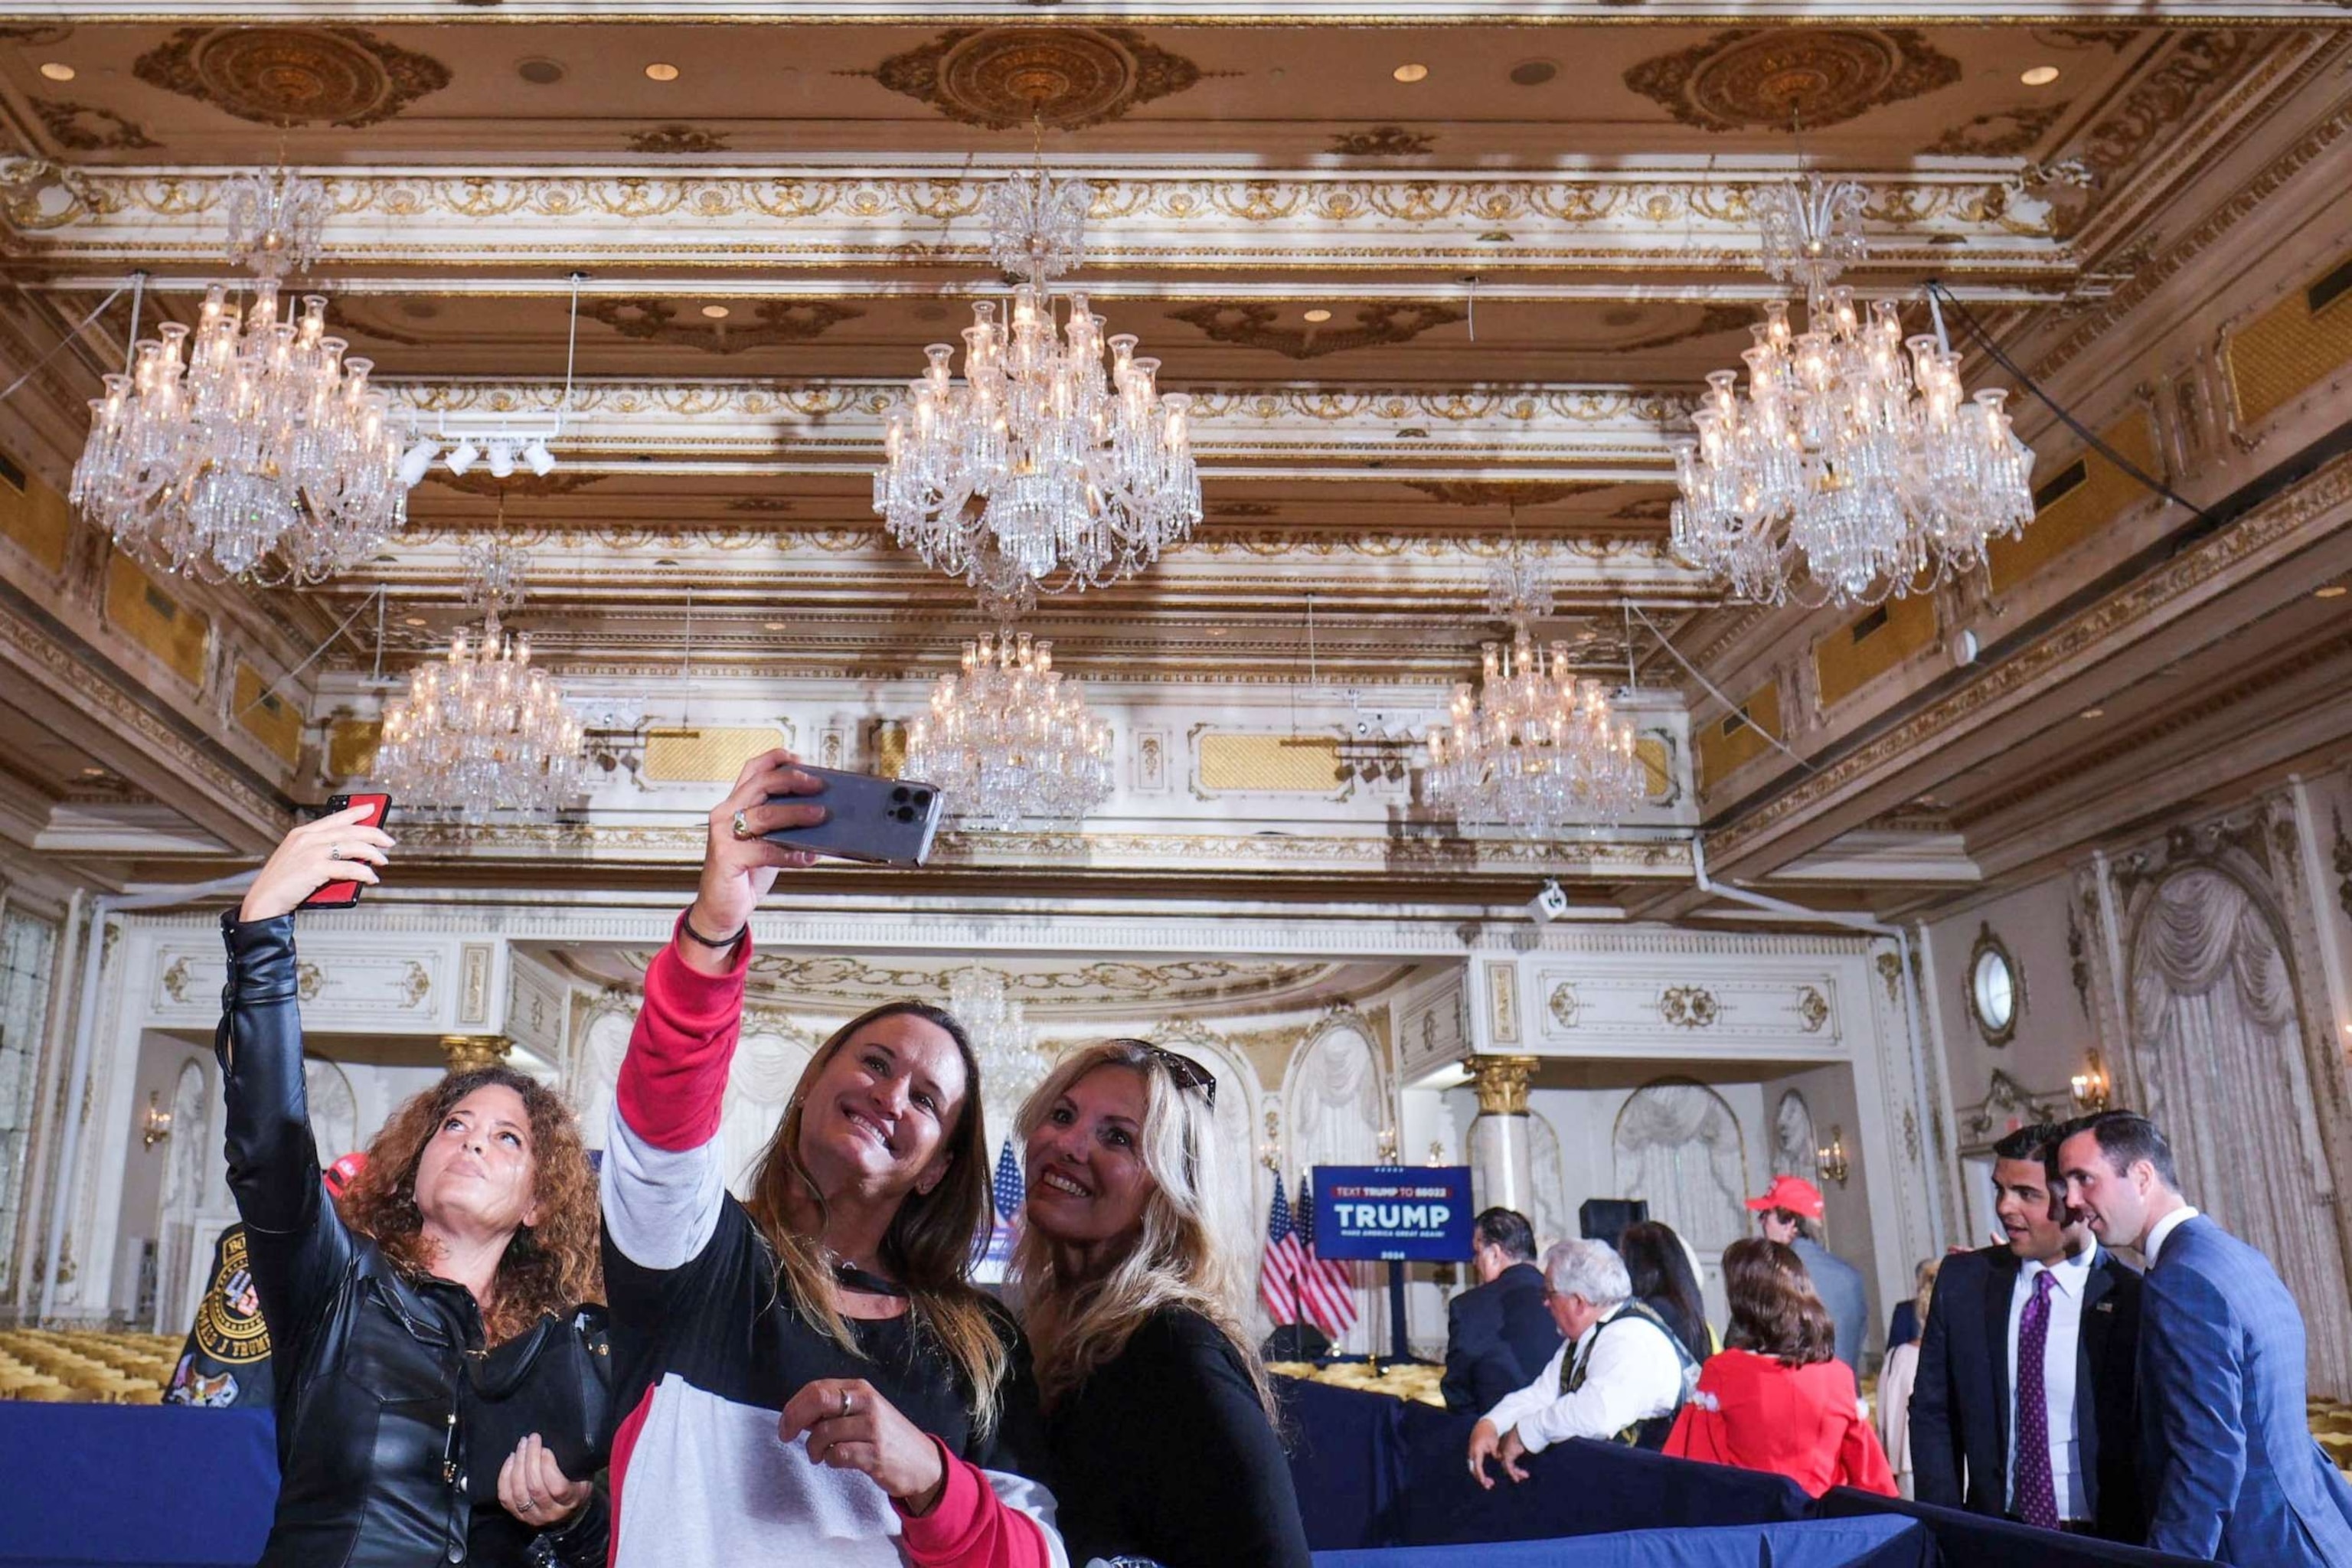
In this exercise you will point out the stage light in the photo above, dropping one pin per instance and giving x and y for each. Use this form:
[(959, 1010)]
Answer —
[(502, 456), (417, 459), (542, 461), (464, 456)]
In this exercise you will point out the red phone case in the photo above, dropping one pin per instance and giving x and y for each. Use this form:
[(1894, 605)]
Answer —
[(344, 894)]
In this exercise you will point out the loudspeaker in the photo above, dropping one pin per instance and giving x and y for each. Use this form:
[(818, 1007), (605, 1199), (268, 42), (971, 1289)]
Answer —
[(1605, 1219)]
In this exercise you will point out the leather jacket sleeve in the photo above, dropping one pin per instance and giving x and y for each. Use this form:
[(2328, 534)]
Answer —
[(583, 1542), (297, 1248)]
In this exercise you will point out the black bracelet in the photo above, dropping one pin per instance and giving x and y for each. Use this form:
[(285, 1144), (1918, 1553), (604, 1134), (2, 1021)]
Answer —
[(687, 926)]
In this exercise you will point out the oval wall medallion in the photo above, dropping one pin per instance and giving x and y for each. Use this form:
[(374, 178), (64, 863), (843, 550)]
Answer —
[(293, 76), (1767, 78), (1005, 76)]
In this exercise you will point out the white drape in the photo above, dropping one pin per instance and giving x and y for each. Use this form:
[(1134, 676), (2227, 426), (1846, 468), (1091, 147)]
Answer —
[(1678, 1146), (2217, 1048), (1337, 1110)]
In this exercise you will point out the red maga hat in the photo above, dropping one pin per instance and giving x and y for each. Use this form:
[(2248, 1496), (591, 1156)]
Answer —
[(1794, 1194), (343, 1173)]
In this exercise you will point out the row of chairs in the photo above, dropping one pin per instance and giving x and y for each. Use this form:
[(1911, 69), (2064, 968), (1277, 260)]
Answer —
[(85, 1366)]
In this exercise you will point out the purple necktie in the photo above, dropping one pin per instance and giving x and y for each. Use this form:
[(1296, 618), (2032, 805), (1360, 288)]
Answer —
[(2037, 1493)]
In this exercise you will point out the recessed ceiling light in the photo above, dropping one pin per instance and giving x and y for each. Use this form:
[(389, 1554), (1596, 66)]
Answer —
[(56, 71), (1534, 73), (774, 625), (538, 72), (2333, 590), (1412, 71), (412, 620), (2039, 76), (661, 70), (94, 772), (2094, 712), (1319, 314), (716, 312)]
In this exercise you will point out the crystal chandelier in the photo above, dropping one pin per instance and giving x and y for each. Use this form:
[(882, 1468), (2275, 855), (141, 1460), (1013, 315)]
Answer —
[(249, 447), (1077, 476), (1009, 738), (1846, 473), (1535, 748), (479, 731), (1010, 1065)]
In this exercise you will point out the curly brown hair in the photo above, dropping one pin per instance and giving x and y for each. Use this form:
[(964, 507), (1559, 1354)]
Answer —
[(549, 1267), (1775, 1311)]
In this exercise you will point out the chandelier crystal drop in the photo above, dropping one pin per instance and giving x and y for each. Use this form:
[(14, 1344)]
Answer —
[(249, 447), (1533, 748), (1519, 590), (1011, 1064), (1008, 739), (480, 732), (1852, 467), (1077, 470)]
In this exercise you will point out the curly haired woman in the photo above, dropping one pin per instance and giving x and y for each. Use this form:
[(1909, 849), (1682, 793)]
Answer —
[(441, 1388)]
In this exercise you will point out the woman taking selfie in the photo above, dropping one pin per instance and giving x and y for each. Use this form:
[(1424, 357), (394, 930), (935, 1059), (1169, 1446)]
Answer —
[(1136, 1283), (809, 1377), (1777, 1398), (440, 1390)]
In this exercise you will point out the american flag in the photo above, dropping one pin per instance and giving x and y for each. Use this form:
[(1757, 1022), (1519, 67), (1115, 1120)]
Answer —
[(1277, 1279), (1326, 1290), (1007, 1189)]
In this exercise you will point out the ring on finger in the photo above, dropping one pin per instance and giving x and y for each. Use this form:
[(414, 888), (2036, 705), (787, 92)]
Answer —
[(845, 1402), (335, 852), (741, 827)]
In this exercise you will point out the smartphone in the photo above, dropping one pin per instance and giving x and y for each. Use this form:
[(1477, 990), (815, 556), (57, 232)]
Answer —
[(343, 895), (885, 822)]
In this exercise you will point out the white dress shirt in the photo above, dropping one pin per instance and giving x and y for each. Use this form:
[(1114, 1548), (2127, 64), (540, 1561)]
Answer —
[(2162, 1228), (2058, 1368), (1631, 1374)]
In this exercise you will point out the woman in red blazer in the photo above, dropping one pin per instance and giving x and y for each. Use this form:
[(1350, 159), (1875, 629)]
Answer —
[(1776, 1398)]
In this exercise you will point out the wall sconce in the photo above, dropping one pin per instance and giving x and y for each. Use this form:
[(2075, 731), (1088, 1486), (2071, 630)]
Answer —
[(1436, 1152), (1269, 1153), (1387, 1145), (2092, 1088), (154, 1122), (1831, 1156)]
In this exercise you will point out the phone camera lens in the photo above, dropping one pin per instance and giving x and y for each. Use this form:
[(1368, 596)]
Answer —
[(922, 797), (900, 793)]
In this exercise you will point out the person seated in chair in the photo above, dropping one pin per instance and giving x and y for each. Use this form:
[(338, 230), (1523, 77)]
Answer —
[(1622, 1375), (1497, 1333)]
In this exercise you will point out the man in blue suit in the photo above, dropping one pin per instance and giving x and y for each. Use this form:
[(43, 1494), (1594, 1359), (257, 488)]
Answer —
[(2230, 1469), (1498, 1333)]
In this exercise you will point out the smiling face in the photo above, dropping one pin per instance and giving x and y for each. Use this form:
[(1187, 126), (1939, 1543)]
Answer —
[(881, 1112), (2030, 1214), (1088, 1181), (477, 1174)]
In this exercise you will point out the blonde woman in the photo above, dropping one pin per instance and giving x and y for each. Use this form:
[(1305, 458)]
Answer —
[(1159, 1416), (809, 1377), (1896, 1377)]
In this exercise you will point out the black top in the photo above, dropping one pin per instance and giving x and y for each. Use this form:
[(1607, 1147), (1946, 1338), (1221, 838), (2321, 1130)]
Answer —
[(1500, 1337), (387, 1450), (1960, 1397), (1685, 1326), (1165, 1452)]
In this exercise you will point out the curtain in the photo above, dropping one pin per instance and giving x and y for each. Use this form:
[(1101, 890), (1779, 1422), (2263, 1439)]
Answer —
[(1678, 1146), (2218, 1046), (1337, 1112)]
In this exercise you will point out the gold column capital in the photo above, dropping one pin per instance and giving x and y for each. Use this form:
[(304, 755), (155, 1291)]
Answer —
[(1501, 1083), (466, 1053)]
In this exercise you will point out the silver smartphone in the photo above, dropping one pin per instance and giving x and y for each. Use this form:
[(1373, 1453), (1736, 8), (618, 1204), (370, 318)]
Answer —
[(886, 822)]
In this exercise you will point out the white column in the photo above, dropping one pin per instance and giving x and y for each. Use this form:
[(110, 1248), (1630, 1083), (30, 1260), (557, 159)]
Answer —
[(1501, 1171)]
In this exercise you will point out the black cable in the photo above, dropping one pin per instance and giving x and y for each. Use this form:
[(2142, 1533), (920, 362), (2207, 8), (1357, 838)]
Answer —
[(2065, 416)]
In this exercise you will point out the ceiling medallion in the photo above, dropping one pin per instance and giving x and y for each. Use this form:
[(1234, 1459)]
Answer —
[(1068, 78), (678, 138), (1750, 78), (80, 128), (1041, 462), (1845, 473), (1260, 326), (769, 322), (293, 76), (1009, 739), (480, 733), (1383, 142)]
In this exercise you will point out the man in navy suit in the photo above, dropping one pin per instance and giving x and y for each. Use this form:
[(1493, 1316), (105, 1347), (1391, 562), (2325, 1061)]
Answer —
[(1498, 1333), (2006, 1356), (2228, 1460)]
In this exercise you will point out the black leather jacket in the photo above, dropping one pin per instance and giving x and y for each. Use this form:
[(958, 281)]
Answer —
[(391, 1420)]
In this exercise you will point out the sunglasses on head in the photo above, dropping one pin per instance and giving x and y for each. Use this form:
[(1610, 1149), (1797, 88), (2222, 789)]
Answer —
[(1183, 1071)]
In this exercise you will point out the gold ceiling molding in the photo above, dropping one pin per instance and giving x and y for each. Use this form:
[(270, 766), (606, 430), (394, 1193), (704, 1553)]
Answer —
[(1253, 325), (1752, 79), (648, 319), (80, 128), (676, 138), (2162, 99), (1113, 979), (2003, 133), (1383, 142), (1503, 492), (293, 76), (2136, 612), (535, 487), (1067, 76)]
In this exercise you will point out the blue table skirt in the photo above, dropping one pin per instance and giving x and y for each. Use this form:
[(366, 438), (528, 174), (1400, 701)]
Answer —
[(134, 1484), (1882, 1543)]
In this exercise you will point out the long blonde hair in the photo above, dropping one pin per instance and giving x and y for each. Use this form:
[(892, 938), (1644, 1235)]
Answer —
[(1192, 1253), (932, 1240)]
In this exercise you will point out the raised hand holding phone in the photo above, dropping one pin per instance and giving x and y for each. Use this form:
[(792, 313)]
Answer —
[(739, 867), (338, 848)]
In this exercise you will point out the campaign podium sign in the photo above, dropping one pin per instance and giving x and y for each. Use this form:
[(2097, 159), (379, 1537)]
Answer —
[(1396, 1214)]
